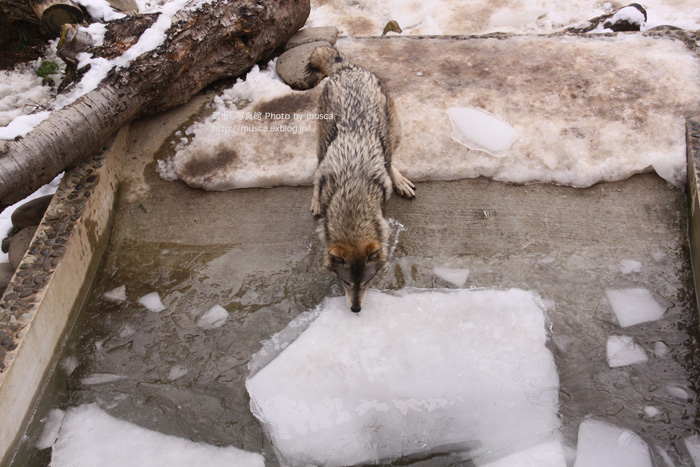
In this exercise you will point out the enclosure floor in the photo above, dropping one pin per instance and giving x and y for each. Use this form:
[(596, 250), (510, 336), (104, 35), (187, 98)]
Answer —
[(255, 253)]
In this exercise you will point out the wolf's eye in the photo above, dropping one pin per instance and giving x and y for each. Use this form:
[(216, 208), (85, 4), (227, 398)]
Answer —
[(374, 255), (337, 259)]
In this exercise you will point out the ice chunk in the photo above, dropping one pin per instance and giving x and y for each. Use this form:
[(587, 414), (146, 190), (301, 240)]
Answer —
[(414, 372), (214, 317), (660, 349), (680, 390), (548, 454), (651, 411), (478, 129), (152, 302), (634, 306), (623, 351), (455, 276), (117, 294), (52, 425), (91, 437), (692, 443), (101, 378), (603, 445), (177, 371), (628, 266)]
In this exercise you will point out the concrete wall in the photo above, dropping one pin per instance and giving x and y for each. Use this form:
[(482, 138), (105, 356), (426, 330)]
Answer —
[(48, 288), (693, 149)]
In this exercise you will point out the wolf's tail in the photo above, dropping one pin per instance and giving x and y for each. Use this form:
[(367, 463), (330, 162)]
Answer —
[(327, 60)]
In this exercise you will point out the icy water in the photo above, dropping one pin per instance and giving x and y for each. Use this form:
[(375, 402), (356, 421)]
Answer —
[(181, 371)]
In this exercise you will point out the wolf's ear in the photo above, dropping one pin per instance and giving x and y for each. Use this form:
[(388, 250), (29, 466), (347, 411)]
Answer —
[(374, 251), (336, 255)]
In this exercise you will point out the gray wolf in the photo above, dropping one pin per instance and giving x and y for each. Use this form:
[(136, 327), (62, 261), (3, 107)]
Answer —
[(355, 175)]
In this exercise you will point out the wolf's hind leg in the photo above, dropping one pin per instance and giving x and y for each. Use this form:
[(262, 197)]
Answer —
[(402, 185)]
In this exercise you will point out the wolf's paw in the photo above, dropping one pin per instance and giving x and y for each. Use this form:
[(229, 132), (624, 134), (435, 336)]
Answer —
[(404, 187)]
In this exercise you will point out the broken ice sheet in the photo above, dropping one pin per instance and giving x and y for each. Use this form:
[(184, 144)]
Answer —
[(634, 306), (454, 276), (152, 302), (623, 351), (478, 129), (90, 437), (603, 445), (414, 372), (549, 454)]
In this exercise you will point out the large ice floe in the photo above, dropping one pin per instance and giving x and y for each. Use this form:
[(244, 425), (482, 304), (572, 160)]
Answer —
[(416, 373), (583, 110), (89, 437)]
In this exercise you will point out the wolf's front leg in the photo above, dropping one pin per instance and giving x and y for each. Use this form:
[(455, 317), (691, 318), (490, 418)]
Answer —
[(316, 198)]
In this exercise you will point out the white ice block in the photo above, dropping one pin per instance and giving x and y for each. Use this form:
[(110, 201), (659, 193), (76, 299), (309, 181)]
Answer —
[(152, 302), (455, 276), (413, 372), (623, 351), (90, 437), (603, 445), (117, 294), (478, 129), (214, 317), (634, 306), (548, 454)]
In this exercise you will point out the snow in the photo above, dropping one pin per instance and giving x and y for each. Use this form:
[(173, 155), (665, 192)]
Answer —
[(549, 454), (630, 14), (623, 351), (454, 276), (634, 306), (100, 9), (117, 294), (628, 266), (368, 17), (214, 317), (488, 380), (90, 437), (20, 91), (52, 425), (578, 123), (152, 302), (604, 445), (478, 129), (97, 33), (6, 215)]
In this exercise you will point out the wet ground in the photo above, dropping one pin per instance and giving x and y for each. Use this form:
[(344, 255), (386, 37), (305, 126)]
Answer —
[(254, 253)]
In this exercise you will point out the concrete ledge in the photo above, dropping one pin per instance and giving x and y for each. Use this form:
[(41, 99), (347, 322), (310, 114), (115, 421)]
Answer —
[(50, 285), (692, 142)]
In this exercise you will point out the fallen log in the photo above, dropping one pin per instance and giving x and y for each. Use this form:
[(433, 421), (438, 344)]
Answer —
[(224, 38)]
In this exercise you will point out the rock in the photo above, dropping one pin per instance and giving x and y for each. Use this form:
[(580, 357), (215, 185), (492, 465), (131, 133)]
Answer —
[(31, 212), (20, 244), (292, 66), (6, 273), (629, 18), (307, 35), (392, 26), (125, 6)]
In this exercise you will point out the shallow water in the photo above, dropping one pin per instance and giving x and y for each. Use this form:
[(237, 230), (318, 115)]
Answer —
[(178, 378)]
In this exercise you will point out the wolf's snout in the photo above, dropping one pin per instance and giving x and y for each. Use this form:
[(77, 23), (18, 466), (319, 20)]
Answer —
[(355, 309)]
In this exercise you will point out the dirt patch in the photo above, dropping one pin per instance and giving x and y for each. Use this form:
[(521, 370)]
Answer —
[(20, 42)]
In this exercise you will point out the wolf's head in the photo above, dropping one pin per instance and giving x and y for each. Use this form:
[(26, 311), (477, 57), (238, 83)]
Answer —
[(356, 265)]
